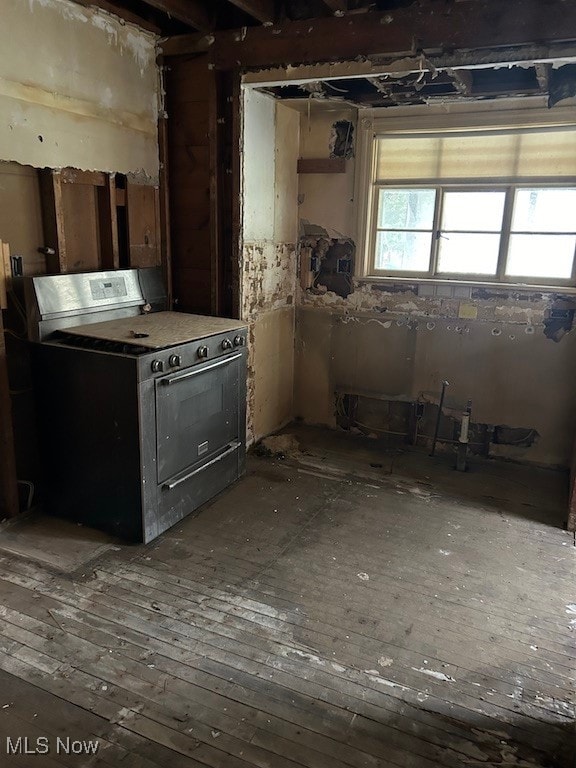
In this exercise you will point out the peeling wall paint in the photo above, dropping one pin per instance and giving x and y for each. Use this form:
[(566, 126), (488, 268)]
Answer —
[(404, 302), (269, 275), (269, 259), (77, 88), (512, 352), (515, 377)]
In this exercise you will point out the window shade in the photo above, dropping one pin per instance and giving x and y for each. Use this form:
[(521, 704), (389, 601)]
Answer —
[(476, 155)]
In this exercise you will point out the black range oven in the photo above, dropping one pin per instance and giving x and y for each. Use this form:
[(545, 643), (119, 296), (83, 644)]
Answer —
[(141, 412)]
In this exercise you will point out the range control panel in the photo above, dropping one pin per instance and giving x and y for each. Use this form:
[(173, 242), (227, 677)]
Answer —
[(192, 353)]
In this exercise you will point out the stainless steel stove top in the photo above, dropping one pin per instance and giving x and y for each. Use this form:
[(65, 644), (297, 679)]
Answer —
[(157, 330)]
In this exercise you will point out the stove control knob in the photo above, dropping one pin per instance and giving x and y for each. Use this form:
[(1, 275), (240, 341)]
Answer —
[(202, 352), (157, 366), (226, 344), (174, 361), (239, 341)]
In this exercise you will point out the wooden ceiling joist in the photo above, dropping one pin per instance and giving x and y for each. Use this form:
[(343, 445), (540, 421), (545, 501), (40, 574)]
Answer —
[(479, 26), (262, 10), (122, 13), (191, 12)]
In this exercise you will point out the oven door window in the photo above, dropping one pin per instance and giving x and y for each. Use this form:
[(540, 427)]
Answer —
[(197, 415)]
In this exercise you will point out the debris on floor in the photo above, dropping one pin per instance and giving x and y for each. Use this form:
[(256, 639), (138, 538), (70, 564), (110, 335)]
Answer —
[(278, 446)]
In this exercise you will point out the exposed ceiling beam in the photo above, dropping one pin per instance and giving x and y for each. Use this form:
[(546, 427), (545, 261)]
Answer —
[(382, 88), (263, 10), (479, 26), (183, 45), (122, 13), (191, 12)]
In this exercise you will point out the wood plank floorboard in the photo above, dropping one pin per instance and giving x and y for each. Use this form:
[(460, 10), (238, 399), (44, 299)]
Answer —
[(324, 612)]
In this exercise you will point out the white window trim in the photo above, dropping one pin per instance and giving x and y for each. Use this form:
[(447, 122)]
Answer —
[(528, 112)]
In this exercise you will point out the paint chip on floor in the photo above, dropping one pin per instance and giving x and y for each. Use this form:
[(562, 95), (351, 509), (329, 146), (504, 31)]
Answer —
[(433, 673)]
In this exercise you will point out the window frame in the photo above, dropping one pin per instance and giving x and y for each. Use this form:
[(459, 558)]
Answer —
[(442, 186), (508, 114)]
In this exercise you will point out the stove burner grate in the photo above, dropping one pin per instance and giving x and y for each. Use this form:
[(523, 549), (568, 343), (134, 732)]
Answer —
[(101, 345)]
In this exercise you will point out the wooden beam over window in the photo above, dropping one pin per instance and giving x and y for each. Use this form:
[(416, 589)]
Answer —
[(480, 26), (263, 10), (191, 12)]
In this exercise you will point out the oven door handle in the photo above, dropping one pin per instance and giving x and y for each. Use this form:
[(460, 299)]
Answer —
[(231, 448), (197, 371)]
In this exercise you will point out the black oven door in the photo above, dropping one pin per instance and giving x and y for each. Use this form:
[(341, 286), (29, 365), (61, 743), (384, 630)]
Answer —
[(196, 415)]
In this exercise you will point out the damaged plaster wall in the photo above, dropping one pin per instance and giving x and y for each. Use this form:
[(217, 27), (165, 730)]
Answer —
[(270, 191), (388, 341), (77, 88)]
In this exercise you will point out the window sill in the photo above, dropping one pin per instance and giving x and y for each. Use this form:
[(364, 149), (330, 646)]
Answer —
[(452, 286)]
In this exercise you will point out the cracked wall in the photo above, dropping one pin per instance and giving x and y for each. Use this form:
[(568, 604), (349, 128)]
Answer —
[(511, 352), (269, 259)]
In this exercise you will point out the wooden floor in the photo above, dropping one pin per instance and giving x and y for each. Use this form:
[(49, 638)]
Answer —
[(347, 607)]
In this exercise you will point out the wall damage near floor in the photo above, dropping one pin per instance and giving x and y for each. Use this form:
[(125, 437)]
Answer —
[(369, 350), (394, 345)]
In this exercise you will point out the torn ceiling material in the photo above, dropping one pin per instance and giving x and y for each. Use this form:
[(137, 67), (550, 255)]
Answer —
[(434, 85), (180, 16), (481, 28)]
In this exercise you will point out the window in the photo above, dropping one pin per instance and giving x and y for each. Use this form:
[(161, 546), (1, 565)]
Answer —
[(513, 221), (512, 233)]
